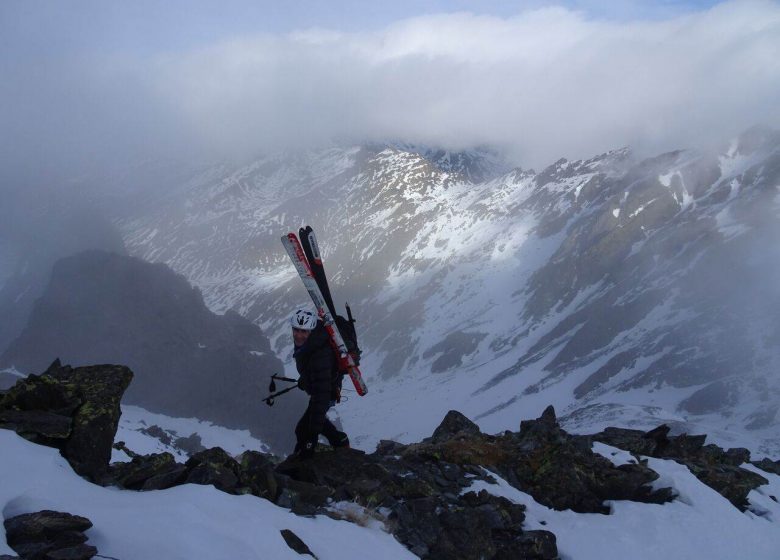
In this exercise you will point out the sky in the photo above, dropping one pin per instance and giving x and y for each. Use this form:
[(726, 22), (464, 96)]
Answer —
[(103, 85)]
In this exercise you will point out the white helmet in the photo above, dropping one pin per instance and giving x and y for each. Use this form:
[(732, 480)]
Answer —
[(303, 319)]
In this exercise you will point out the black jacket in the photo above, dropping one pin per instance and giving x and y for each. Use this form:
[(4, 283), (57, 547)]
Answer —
[(317, 364)]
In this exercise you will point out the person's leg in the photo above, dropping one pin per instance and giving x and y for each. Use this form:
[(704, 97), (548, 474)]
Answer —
[(335, 437), (305, 442)]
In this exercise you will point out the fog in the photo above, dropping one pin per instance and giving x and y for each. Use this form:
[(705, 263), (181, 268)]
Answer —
[(540, 83)]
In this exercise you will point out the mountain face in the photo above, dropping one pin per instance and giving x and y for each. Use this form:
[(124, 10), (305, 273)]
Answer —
[(644, 289), (36, 230), (102, 307)]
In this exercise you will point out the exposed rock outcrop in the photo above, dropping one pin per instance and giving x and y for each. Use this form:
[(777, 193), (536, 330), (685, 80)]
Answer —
[(715, 467), (75, 410)]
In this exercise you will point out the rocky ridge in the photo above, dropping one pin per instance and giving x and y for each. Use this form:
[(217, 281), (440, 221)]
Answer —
[(420, 492)]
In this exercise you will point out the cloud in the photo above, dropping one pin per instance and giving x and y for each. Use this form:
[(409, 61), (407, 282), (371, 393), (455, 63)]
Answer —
[(546, 83)]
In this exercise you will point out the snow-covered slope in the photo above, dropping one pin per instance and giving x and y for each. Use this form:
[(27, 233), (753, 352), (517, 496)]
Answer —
[(184, 522), (193, 521), (607, 287), (145, 432)]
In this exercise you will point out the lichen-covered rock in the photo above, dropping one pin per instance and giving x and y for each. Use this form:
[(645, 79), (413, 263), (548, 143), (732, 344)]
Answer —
[(40, 408), (257, 473), (420, 488), (148, 472), (75, 410), (562, 472), (214, 466), (49, 535), (95, 422)]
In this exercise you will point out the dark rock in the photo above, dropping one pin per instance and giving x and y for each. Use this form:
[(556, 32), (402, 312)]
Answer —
[(419, 488), (733, 483), (454, 423), (148, 472), (561, 472), (768, 465), (257, 474), (539, 545), (120, 446), (95, 423), (191, 444), (38, 426), (295, 543), (717, 468), (86, 397), (303, 498), (388, 447), (78, 552), (157, 432), (214, 466), (49, 535)]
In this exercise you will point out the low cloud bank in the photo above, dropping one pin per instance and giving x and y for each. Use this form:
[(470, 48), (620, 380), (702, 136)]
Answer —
[(546, 83)]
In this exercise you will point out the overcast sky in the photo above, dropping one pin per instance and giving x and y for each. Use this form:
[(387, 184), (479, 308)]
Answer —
[(101, 83)]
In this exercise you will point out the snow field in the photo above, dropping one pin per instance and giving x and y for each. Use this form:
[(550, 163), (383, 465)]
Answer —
[(180, 523)]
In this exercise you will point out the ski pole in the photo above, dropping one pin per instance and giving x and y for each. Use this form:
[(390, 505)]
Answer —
[(269, 400), (272, 384)]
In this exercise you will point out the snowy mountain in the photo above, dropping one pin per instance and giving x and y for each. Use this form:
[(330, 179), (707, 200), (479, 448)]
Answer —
[(610, 287)]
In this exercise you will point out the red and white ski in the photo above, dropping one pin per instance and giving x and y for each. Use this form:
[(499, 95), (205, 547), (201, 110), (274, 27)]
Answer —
[(293, 247)]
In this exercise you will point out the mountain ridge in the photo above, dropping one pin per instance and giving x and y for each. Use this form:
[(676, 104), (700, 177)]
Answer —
[(582, 282)]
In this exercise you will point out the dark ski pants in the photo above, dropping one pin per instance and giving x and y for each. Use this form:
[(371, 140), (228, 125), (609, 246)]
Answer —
[(308, 430)]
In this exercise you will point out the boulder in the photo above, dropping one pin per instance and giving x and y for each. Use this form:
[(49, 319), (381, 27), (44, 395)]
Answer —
[(214, 466), (257, 473), (49, 535), (75, 410), (148, 472), (454, 422)]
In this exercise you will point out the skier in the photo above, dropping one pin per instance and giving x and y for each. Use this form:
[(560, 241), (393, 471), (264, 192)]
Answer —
[(317, 364)]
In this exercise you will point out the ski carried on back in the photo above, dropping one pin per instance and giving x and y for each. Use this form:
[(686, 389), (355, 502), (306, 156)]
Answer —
[(312, 250), (324, 306), (345, 326)]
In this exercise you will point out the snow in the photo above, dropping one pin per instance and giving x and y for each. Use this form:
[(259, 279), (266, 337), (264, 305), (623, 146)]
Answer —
[(699, 524), (134, 419), (728, 226), (184, 522), (13, 371), (616, 212), (666, 179)]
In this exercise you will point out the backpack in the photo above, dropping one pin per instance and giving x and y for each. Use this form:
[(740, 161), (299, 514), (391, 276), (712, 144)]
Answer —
[(346, 328)]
